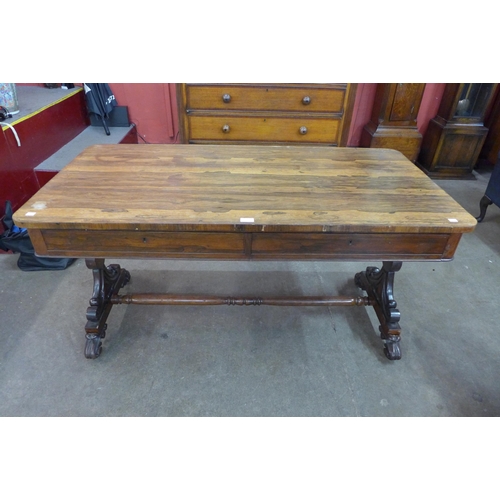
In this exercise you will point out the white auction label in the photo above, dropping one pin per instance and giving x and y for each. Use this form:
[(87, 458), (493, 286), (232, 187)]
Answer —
[(30, 214), (246, 219)]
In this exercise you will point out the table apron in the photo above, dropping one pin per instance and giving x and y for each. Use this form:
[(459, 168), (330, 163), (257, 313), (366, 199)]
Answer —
[(83, 243)]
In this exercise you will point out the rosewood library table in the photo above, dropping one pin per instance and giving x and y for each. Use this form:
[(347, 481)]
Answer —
[(244, 203)]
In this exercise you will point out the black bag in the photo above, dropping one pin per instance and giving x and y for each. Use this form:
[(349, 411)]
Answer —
[(17, 240)]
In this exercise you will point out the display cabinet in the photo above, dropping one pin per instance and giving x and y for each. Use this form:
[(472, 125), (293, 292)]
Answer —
[(454, 138)]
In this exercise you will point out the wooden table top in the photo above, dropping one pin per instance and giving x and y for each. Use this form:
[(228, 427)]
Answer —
[(220, 188)]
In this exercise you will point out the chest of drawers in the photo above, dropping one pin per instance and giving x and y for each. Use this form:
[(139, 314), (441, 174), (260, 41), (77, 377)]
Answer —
[(265, 113)]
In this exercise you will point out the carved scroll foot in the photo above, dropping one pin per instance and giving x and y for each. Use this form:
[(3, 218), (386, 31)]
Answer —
[(392, 350), (483, 205), (379, 285), (93, 346), (107, 281)]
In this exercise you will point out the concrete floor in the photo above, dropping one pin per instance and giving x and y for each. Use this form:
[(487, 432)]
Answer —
[(260, 361)]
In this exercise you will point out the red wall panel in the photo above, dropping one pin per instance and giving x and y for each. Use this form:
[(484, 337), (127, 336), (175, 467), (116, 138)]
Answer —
[(153, 109), (431, 100), (362, 110)]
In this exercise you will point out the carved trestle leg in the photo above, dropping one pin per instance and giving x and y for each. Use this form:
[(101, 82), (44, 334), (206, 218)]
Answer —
[(107, 281), (379, 285)]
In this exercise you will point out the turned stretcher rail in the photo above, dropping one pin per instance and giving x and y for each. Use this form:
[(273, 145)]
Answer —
[(154, 299)]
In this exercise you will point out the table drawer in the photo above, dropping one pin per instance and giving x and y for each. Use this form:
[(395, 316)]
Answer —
[(119, 243), (266, 98), (241, 246), (272, 129), (351, 246)]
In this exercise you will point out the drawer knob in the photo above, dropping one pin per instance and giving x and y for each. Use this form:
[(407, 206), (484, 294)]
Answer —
[(306, 100), (303, 130), (226, 98), (225, 129)]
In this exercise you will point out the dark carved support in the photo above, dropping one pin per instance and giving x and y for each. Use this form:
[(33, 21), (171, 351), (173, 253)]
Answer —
[(107, 282), (483, 205), (379, 285)]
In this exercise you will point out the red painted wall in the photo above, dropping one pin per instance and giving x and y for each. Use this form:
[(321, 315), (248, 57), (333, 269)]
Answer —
[(361, 112), (151, 106), (431, 100), (153, 109)]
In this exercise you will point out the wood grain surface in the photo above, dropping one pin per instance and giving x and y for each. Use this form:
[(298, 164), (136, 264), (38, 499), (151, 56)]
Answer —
[(179, 188)]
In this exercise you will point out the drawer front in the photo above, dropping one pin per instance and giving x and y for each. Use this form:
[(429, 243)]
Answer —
[(262, 129), (243, 246), (261, 98), (351, 246), (119, 243)]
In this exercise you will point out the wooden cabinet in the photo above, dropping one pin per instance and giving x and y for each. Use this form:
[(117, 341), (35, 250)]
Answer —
[(393, 121), (265, 113), (454, 138)]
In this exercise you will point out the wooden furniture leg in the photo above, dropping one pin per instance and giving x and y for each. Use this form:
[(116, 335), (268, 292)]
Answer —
[(107, 281), (483, 205), (379, 285)]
